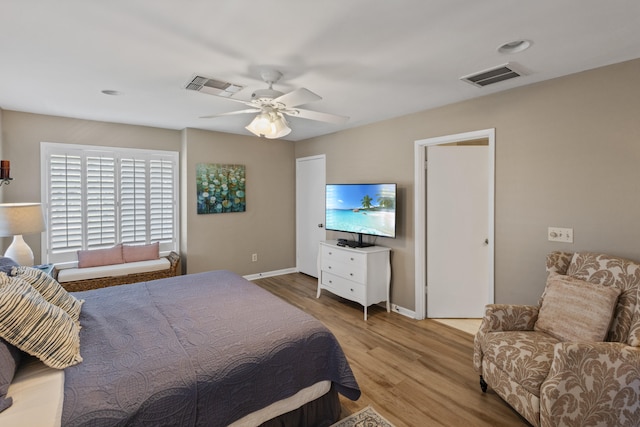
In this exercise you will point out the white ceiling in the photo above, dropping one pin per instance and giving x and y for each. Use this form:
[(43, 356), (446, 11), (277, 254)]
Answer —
[(369, 59)]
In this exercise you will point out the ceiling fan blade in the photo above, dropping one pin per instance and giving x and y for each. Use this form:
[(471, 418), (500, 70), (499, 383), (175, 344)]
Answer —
[(251, 110), (297, 97), (316, 115)]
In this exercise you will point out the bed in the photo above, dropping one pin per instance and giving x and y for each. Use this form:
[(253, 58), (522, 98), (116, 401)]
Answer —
[(204, 349)]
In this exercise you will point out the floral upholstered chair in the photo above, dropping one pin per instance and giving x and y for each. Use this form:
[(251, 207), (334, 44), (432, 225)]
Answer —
[(574, 359)]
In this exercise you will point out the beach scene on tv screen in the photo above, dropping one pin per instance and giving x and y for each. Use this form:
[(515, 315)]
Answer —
[(362, 208)]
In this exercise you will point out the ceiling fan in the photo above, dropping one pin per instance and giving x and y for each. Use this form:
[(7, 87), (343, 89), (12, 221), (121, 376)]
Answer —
[(272, 106)]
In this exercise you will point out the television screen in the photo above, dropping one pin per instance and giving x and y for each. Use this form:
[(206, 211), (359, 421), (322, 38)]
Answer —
[(361, 208)]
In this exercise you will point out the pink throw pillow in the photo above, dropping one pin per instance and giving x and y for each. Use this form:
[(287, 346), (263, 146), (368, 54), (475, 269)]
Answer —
[(133, 253), (99, 257)]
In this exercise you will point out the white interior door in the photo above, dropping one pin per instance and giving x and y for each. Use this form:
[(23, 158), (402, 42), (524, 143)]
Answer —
[(457, 231), (310, 200)]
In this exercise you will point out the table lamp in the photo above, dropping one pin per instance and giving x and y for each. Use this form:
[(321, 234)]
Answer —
[(17, 219)]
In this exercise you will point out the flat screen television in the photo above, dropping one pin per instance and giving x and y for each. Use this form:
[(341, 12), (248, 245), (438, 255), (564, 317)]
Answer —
[(368, 209)]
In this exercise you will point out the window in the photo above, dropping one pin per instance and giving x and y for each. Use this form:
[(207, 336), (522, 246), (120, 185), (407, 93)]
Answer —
[(95, 197)]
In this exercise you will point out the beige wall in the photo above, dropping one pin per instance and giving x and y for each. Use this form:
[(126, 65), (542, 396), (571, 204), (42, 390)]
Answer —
[(23, 132), (567, 154), (226, 241), (209, 241)]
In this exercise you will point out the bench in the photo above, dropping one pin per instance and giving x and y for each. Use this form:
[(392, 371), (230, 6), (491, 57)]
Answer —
[(83, 279)]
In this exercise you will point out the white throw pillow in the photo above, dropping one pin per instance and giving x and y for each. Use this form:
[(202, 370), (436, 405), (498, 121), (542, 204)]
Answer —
[(50, 289), (36, 326)]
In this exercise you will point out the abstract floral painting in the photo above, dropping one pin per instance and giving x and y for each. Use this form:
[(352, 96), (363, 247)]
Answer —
[(221, 188)]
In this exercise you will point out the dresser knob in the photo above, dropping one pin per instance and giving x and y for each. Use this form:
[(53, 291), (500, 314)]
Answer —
[(351, 289), (330, 281), (329, 267), (351, 259), (351, 274)]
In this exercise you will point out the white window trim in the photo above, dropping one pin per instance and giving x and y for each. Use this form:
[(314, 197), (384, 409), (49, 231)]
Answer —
[(49, 148)]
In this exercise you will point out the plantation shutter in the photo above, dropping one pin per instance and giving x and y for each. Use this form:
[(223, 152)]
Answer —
[(101, 202), (133, 201), (96, 197), (161, 199), (65, 203)]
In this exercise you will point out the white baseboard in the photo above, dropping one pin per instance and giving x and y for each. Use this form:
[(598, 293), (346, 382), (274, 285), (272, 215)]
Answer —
[(394, 307), (270, 273), (403, 311)]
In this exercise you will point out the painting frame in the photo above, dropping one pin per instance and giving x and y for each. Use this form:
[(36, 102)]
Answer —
[(220, 188)]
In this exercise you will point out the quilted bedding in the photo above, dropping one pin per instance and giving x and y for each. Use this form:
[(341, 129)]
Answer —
[(196, 350)]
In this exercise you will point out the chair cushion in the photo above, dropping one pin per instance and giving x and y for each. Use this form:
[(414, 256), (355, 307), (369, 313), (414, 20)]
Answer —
[(575, 310), (609, 270), (525, 356)]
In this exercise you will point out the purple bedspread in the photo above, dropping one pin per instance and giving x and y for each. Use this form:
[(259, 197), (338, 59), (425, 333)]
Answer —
[(197, 350)]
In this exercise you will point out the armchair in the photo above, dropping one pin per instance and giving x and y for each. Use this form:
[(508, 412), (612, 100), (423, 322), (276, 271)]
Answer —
[(572, 360)]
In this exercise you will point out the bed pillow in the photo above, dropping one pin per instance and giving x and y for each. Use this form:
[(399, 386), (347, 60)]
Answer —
[(36, 326), (575, 310), (100, 257), (9, 360), (133, 253), (50, 289), (6, 264)]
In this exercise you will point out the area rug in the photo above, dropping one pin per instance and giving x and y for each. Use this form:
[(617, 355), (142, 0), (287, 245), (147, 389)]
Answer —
[(367, 417)]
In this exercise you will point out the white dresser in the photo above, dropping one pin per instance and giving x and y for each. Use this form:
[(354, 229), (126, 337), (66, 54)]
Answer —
[(362, 275)]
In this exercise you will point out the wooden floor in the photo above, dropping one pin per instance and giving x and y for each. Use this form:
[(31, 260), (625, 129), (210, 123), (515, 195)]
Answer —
[(414, 373)]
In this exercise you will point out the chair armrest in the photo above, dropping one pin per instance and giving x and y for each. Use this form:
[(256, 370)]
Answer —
[(509, 317), (502, 317), (592, 383)]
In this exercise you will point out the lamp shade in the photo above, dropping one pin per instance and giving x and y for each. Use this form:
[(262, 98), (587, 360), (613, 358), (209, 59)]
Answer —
[(269, 124), (279, 128), (21, 218)]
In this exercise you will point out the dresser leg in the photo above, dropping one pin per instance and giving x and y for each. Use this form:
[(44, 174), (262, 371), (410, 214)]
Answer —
[(365, 313)]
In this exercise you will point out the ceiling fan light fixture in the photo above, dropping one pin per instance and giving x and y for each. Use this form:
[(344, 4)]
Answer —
[(279, 128), (270, 125)]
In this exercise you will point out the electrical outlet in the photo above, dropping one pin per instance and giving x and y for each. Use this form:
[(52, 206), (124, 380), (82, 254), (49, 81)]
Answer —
[(558, 234), (254, 257)]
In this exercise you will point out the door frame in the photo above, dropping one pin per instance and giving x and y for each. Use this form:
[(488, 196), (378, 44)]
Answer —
[(420, 215), (299, 160)]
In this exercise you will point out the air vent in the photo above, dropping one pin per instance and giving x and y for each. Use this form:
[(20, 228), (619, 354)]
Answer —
[(493, 75), (213, 86)]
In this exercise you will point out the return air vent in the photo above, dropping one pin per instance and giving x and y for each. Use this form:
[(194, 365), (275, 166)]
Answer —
[(213, 86), (493, 75)]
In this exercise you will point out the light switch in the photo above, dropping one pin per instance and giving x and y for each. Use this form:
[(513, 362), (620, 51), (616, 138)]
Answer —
[(558, 234)]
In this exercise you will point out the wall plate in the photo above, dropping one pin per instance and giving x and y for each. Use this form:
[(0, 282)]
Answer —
[(559, 234)]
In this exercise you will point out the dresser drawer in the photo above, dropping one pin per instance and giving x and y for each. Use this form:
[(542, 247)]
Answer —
[(346, 271), (343, 287), (343, 256)]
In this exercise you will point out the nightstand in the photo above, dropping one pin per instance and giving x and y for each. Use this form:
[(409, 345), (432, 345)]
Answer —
[(47, 268)]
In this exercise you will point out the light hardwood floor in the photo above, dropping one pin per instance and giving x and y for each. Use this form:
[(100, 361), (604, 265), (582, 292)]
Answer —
[(414, 373)]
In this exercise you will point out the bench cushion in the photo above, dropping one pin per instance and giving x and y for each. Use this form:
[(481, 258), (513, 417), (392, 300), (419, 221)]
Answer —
[(73, 274)]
